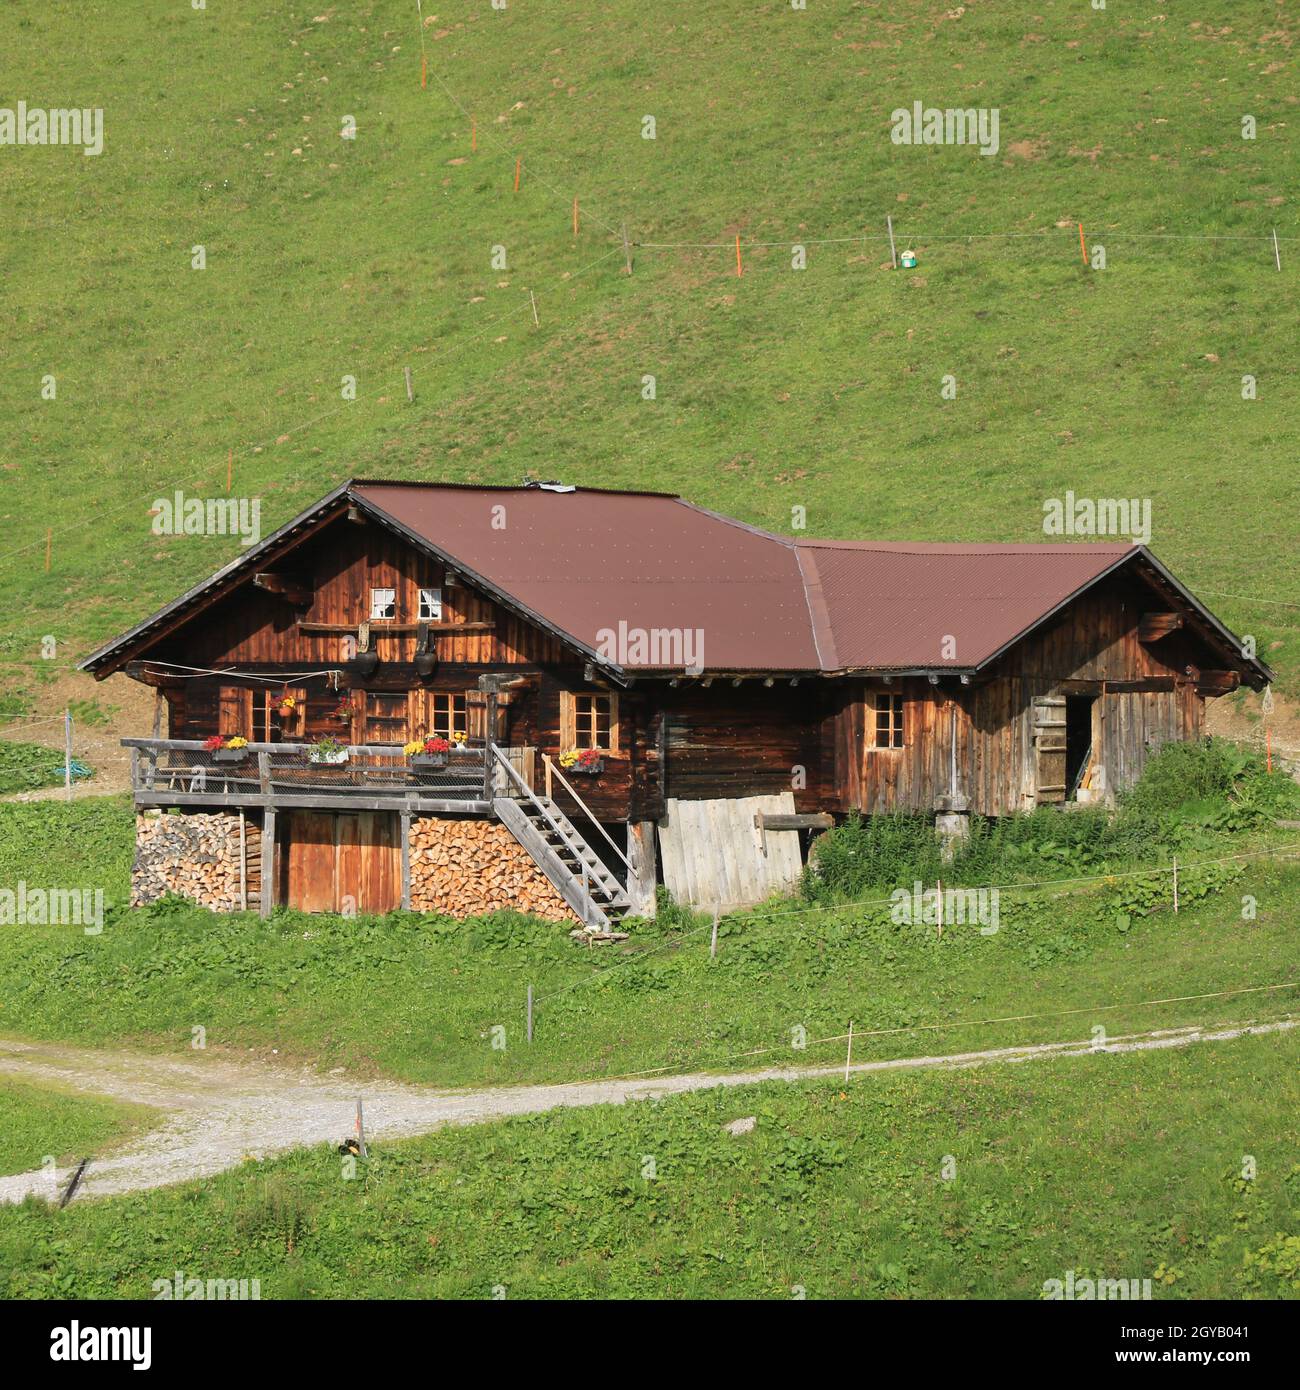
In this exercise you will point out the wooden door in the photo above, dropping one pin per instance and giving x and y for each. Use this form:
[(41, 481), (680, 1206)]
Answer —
[(1049, 748), (347, 862)]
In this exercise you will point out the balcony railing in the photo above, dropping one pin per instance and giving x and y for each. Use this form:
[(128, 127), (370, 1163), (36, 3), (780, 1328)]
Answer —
[(372, 776)]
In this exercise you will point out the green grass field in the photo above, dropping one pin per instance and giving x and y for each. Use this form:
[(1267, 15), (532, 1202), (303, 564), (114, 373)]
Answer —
[(27, 766), (818, 388), (417, 997), (981, 1183), (40, 1122)]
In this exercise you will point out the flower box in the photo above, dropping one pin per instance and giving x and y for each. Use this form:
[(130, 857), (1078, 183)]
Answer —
[(229, 755), (425, 761), (324, 757), (588, 769)]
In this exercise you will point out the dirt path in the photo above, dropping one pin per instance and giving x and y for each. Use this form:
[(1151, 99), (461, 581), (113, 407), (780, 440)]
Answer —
[(221, 1112)]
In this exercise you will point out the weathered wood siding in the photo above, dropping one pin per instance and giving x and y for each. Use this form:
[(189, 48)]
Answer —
[(1093, 642), (341, 564)]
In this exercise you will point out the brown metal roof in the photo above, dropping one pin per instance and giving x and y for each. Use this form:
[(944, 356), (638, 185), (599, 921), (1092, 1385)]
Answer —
[(891, 606), (587, 561)]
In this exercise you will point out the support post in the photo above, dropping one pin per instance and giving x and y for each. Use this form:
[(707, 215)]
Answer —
[(243, 862), (406, 861), (268, 863), (641, 856), (952, 821), (893, 255), (530, 1013), (67, 754), (410, 394), (713, 942), (627, 249)]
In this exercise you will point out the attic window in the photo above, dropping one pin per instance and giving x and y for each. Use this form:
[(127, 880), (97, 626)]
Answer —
[(430, 605), (383, 603)]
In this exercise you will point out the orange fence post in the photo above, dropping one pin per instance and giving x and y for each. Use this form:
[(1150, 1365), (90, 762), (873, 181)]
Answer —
[(575, 215), (740, 269), (1083, 250), (519, 164)]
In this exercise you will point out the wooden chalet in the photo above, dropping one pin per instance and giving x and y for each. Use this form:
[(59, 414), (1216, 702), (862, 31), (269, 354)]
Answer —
[(735, 688)]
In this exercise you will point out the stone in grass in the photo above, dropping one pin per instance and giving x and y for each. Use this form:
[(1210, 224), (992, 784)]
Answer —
[(742, 1126)]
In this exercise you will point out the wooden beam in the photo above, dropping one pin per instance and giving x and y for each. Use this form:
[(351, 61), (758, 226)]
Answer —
[(1153, 626), (1217, 682), (308, 801), (294, 589), (406, 860), (813, 820), (269, 866), (381, 628), (641, 856)]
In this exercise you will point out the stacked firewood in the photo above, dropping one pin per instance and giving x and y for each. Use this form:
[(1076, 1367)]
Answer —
[(466, 867), (196, 857)]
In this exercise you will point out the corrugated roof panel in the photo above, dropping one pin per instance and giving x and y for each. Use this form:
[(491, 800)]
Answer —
[(892, 606), (587, 562)]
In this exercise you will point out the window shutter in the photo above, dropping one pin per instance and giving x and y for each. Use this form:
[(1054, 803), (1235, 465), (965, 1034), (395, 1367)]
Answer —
[(235, 712), (568, 722), (476, 713), (613, 723), (419, 713)]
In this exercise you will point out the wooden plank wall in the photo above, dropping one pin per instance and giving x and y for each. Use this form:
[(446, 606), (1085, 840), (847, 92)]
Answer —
[(712, 854), (342, 564)]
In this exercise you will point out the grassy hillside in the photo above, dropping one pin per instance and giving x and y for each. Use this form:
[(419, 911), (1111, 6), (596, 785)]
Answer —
[(37, 1122), (1123, 1166), (817, 388)]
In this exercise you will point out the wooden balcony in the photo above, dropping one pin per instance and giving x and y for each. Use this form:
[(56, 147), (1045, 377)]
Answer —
[(288, 776)]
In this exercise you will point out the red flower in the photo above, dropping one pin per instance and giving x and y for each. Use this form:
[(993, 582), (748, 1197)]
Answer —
[(213, 743), (589, 757), (434, 744)]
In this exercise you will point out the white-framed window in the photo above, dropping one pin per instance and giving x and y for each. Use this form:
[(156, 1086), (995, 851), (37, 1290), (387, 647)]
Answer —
[(888, 716), (430, 606), (383, 603)]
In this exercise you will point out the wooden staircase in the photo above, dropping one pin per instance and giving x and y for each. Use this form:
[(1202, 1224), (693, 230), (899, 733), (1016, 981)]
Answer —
[(563, 855)]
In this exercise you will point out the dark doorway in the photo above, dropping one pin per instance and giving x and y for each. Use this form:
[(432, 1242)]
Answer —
[(1078, 741)]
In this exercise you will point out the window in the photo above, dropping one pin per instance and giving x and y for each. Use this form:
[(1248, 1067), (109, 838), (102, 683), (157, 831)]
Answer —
[(888, 721), (383, 603), (430, 606), (589, 721), (447, 715)]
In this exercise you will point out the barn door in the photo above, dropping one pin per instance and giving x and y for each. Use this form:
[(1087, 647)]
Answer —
[(346, 862), (1049, 748)]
